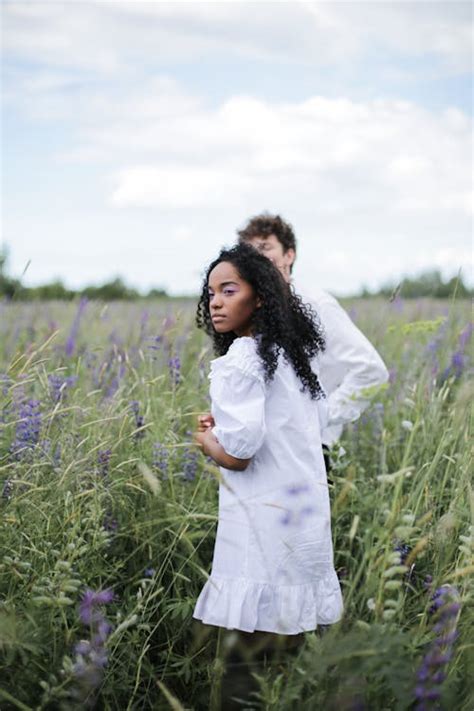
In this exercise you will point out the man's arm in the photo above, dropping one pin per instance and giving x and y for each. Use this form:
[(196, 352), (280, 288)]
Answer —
[(349, 366)]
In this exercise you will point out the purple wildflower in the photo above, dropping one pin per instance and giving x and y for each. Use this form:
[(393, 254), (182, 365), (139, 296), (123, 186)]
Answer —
[(458, 359), (376, 415), (6, 382), (27, 429), (434, 346), (156, 345), (457, 363), (91, 655), (54, 456), (58, 385), (71, 341), (103, 461), (110, 524), (7, 489), (104, 628), (392, 375), (114, 383), (428, 582), (465, 335), (456, 366), (149, 572), (90, 601), (174, 365), (5, 411), (168, 322), (139, 419), (191, 458), (161, 458), (398, 303), (446, 606), (404, 549), (114, 338), (144, 318)]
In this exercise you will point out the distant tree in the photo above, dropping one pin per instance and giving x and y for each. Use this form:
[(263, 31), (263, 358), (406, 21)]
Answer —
[(48, 292), (8, 287), (156, 294), (427, 284), (454, 286), (111, 291)]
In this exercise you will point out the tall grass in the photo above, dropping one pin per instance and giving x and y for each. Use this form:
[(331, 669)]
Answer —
[(104, 494)]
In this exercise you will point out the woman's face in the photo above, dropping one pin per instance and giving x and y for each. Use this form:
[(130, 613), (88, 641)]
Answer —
[(232, 301)]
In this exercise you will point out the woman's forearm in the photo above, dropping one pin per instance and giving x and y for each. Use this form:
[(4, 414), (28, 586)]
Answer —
[(212, 448)]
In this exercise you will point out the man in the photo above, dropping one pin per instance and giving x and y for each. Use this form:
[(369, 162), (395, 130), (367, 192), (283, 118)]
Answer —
[(350, 364)]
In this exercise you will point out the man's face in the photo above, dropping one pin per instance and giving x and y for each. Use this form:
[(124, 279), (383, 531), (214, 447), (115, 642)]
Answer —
[(272, 248)]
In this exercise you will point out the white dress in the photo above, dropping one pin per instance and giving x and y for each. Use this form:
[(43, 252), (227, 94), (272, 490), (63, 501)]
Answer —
[(273, 559)]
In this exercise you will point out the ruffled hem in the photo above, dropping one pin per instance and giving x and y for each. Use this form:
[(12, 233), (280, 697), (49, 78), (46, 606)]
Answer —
[(238, 603)]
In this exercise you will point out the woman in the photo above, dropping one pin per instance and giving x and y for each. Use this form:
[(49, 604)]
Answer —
[(273, 562)]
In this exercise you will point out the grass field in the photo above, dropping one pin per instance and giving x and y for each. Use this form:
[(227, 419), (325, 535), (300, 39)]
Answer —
[(109, 513)]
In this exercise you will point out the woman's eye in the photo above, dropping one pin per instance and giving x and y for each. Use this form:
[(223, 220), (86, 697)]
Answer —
[(229, 291)]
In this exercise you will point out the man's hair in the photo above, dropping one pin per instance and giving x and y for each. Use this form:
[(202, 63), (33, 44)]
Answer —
[(265, 225)]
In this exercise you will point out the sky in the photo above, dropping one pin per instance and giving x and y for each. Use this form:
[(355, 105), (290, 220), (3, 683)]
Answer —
[(137, 137)]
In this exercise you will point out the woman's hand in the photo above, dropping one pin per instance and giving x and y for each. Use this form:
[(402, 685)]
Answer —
[(202, 436), (205, 422)]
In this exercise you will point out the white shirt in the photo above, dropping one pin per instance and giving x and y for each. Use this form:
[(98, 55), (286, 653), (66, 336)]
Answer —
[(273, 559), (348, 366)]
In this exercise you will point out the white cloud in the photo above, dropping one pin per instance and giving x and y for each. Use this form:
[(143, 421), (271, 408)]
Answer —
[(108, 37), (384, 156), (410, 27), (173, 187)]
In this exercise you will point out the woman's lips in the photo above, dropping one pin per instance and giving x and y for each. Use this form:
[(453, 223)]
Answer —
[(218, 318)]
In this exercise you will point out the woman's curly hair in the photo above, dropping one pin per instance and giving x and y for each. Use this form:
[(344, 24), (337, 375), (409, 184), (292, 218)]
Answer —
[(283, 323)]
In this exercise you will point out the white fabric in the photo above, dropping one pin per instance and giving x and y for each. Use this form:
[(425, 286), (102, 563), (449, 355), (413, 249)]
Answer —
[(348, 366), (273, 559)]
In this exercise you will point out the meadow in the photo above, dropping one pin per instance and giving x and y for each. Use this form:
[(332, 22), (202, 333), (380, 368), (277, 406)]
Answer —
[(108, 515)]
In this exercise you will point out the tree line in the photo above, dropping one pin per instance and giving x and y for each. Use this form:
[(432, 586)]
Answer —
[(113, 290), (427, 284)]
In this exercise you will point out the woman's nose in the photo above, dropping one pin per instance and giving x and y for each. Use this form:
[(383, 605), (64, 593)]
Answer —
[(215, 302)]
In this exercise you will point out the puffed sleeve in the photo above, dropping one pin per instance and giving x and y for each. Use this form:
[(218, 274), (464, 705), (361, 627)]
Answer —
[(238, 408)]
